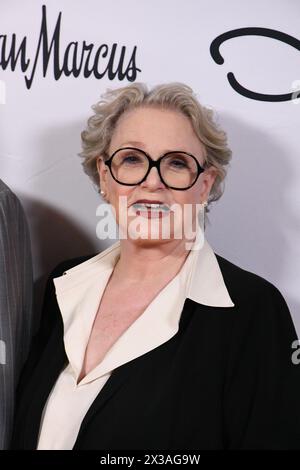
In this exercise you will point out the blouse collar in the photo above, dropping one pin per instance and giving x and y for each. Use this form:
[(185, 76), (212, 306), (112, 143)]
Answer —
[(205, 284), (79, 291)]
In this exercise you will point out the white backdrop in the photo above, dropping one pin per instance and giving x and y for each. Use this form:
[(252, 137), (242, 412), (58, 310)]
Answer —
[(256, 223)]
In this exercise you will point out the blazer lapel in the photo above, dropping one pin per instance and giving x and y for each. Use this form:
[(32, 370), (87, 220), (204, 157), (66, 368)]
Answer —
[(111, 387), (122, 373)]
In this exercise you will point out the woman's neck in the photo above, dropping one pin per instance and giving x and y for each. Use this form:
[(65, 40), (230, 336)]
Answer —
[(141, 261)]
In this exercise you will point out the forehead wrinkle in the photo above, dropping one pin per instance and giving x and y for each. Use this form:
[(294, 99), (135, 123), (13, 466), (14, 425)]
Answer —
[(141, 146), (120, 140)]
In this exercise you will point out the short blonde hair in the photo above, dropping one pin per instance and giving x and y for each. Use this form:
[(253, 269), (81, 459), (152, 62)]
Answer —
[(176, 96)]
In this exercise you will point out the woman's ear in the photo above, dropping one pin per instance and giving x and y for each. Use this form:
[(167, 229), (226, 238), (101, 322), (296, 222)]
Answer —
[(102, 173), (208, 179)]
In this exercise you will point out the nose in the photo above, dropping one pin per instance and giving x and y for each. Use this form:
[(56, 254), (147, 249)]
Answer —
[(153, 180)]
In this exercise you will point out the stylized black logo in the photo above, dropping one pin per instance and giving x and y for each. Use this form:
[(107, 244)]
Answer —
[(270, 33), (76, 59)]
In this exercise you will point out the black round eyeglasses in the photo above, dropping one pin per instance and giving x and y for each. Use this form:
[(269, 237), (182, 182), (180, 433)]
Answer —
[(131, 166)]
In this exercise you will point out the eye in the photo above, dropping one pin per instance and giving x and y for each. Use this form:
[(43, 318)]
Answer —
[(131, 159), (177, 163)]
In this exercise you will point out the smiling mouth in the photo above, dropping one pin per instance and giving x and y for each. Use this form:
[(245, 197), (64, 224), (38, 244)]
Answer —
[(150, 207)]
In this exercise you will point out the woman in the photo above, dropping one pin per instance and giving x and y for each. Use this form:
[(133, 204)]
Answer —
[(158, 343)]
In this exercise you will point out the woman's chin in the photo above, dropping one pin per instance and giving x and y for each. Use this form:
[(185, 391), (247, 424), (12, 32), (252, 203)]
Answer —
[(150, 227), (154, 227)]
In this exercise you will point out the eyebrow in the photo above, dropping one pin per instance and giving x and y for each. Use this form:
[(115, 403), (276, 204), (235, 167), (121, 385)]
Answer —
[(133, 142), (141, 145)]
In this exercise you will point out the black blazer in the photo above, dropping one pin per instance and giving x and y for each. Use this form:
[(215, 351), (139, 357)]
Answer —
[(226, 380)]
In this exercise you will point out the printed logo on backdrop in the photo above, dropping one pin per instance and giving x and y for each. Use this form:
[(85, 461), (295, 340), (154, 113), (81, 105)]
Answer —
[(238, 87), (76, 59)]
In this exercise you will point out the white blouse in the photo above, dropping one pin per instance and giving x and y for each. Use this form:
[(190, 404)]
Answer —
[(79, 291)]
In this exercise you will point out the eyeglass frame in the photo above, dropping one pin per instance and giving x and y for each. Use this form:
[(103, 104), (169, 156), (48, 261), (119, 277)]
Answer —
[(156, 164)]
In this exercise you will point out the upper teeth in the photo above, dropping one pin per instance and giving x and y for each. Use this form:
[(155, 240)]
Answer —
[(150, 205)]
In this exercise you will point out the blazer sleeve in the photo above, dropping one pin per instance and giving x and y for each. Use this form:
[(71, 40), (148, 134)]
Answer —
[(262, 387), (16, 302)]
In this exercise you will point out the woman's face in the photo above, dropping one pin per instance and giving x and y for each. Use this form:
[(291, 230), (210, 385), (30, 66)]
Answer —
[(156, 131)]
